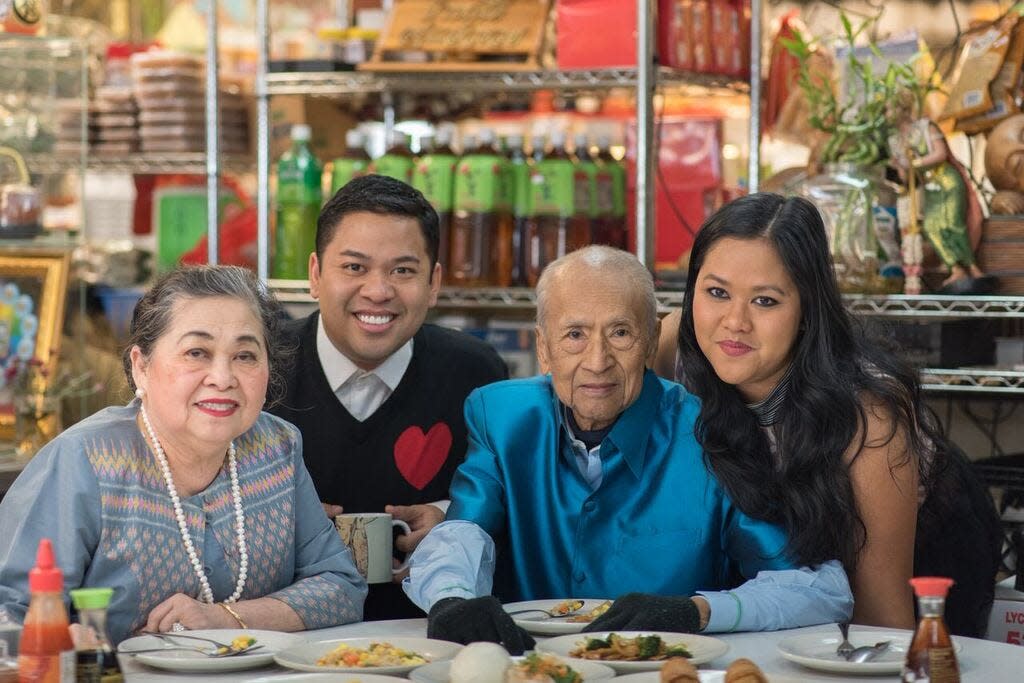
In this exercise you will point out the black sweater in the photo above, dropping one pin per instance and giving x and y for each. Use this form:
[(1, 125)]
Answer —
[(404, 453)]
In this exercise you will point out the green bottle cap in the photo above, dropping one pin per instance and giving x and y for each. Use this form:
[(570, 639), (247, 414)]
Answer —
[(91, 598)]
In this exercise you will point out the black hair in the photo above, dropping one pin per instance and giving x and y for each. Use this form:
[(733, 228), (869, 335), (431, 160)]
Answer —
[(836, 370), (383, 195)]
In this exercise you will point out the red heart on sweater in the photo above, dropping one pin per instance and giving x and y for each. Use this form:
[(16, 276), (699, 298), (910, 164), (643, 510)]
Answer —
[(419, 456)]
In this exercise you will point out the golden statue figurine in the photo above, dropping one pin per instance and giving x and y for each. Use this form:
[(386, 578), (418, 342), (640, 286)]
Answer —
[(951, 211), (1004, 165)]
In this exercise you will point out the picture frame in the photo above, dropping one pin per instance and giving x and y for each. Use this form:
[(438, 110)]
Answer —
[(33, 289)]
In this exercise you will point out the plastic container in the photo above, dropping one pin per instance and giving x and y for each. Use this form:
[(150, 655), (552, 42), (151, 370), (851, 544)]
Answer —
[(109, 203), (27, 17), (46, 654), (20, 204)]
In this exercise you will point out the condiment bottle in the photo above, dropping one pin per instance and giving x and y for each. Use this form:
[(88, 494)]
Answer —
[(46, 654), (8, 665), (96, 659), (930, 656)]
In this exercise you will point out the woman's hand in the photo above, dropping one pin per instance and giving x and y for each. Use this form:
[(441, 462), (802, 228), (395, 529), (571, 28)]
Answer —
[(190, 613)]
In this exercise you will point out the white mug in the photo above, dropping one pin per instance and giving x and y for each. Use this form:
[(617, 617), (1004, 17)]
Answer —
[(368, 536)]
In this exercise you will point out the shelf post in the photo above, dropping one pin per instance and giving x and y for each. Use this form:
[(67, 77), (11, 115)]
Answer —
[(262, 142), (212, 147), (754, 154), (645, 152)]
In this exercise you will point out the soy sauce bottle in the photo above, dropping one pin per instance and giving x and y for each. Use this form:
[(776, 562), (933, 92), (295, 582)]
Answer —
[(930, 656), (96, 661)]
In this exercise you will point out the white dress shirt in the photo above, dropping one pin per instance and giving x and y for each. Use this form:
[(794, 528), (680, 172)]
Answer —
[(360, 391)]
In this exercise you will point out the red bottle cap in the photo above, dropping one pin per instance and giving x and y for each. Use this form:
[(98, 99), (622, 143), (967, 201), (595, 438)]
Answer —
[(45, 577), (931, 586)]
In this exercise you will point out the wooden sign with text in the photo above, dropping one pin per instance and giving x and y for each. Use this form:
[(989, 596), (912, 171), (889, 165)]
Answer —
[(462, 35)]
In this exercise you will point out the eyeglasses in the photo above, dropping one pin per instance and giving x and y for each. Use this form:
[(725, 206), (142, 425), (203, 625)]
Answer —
[(620, 338)]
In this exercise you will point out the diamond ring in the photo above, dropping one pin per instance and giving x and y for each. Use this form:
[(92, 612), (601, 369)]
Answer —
[(178, 627)]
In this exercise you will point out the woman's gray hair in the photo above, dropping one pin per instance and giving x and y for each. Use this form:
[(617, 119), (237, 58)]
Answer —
[(601, 257), (152, 315)]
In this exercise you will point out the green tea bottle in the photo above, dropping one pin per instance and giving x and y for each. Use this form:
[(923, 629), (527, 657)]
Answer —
[(299, 195), (434, 176), (354, 162), (611, 188), (397, 161)]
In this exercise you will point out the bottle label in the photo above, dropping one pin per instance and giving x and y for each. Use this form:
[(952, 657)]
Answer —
[(434, 176), (618, 175), (520, 176), (584, 201), (295, 240), (478, 183), (345, 170), (394, 166), (55, 668), (552, 185), (299, 180), (506, 188), (604, 193)]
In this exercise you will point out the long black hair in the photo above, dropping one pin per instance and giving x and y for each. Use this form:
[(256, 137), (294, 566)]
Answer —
[(835, 370)]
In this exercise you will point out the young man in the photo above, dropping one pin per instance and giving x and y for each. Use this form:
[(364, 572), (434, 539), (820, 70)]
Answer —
[(376, 393), (591, 483)]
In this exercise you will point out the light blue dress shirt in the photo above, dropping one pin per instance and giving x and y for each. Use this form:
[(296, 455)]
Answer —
[(655, 520)]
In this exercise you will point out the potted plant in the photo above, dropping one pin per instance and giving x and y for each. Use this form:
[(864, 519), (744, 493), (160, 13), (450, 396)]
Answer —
[(858, 120)]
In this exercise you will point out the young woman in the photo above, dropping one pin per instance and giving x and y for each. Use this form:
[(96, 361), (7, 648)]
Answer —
[(809, 424)]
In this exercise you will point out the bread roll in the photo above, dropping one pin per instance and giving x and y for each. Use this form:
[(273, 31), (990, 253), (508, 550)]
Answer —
[(679, 670), (744, 671)]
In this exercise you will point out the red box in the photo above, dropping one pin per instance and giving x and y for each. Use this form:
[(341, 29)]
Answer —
[(595, 34), (687, 182)]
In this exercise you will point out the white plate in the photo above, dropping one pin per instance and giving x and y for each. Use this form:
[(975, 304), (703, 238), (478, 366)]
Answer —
[(541, 624), (437, 672), (703, 648), (303, 657), (655, 677), (328, 678), (818, 650), (184, 660)]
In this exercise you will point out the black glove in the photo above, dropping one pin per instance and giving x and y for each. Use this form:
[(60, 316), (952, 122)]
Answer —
[(645, 612), (466, 621)]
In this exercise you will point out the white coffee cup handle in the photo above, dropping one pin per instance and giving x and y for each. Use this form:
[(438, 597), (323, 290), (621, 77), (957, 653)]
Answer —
[(405, 530)]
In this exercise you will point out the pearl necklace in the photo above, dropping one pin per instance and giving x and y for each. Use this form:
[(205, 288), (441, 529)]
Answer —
[(236, 494)]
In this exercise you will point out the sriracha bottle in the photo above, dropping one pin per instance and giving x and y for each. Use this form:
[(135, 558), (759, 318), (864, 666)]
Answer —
[(46, 654)]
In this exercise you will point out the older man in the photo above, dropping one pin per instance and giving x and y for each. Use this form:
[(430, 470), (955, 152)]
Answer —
[(591, 482)]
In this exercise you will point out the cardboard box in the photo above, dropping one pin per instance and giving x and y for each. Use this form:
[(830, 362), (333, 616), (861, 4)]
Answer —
[(577, 24), (328, 119), (1006, 621)]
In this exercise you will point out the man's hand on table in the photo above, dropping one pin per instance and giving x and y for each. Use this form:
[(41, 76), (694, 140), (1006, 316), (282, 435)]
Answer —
[(645, 612), (467, 621)]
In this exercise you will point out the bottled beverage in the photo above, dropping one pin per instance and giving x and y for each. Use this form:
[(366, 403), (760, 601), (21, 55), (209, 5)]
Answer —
[(520, 179), (45, 654), (585, 185), (930, 656), (475, 222), (434, 176), (354, 162), (503, 263), (96, 659), (611, 189), (299, 196), (554, 229), (397, 162)]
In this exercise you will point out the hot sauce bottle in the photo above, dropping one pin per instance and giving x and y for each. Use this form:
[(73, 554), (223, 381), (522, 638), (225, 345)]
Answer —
[(46, 654), (930, 656)]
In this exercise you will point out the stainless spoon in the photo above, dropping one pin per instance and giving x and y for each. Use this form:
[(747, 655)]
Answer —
[(866, 653)]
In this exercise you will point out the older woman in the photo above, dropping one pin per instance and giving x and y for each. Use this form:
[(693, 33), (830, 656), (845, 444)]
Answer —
[(190, 501), (808, 424)]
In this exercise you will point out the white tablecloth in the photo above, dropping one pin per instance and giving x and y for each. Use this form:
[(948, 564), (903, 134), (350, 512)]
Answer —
[(981, 661)]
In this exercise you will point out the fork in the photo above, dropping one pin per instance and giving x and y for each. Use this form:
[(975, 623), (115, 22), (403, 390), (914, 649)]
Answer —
[(190, 648), (552, 613), (169, 637), (845, 648)]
